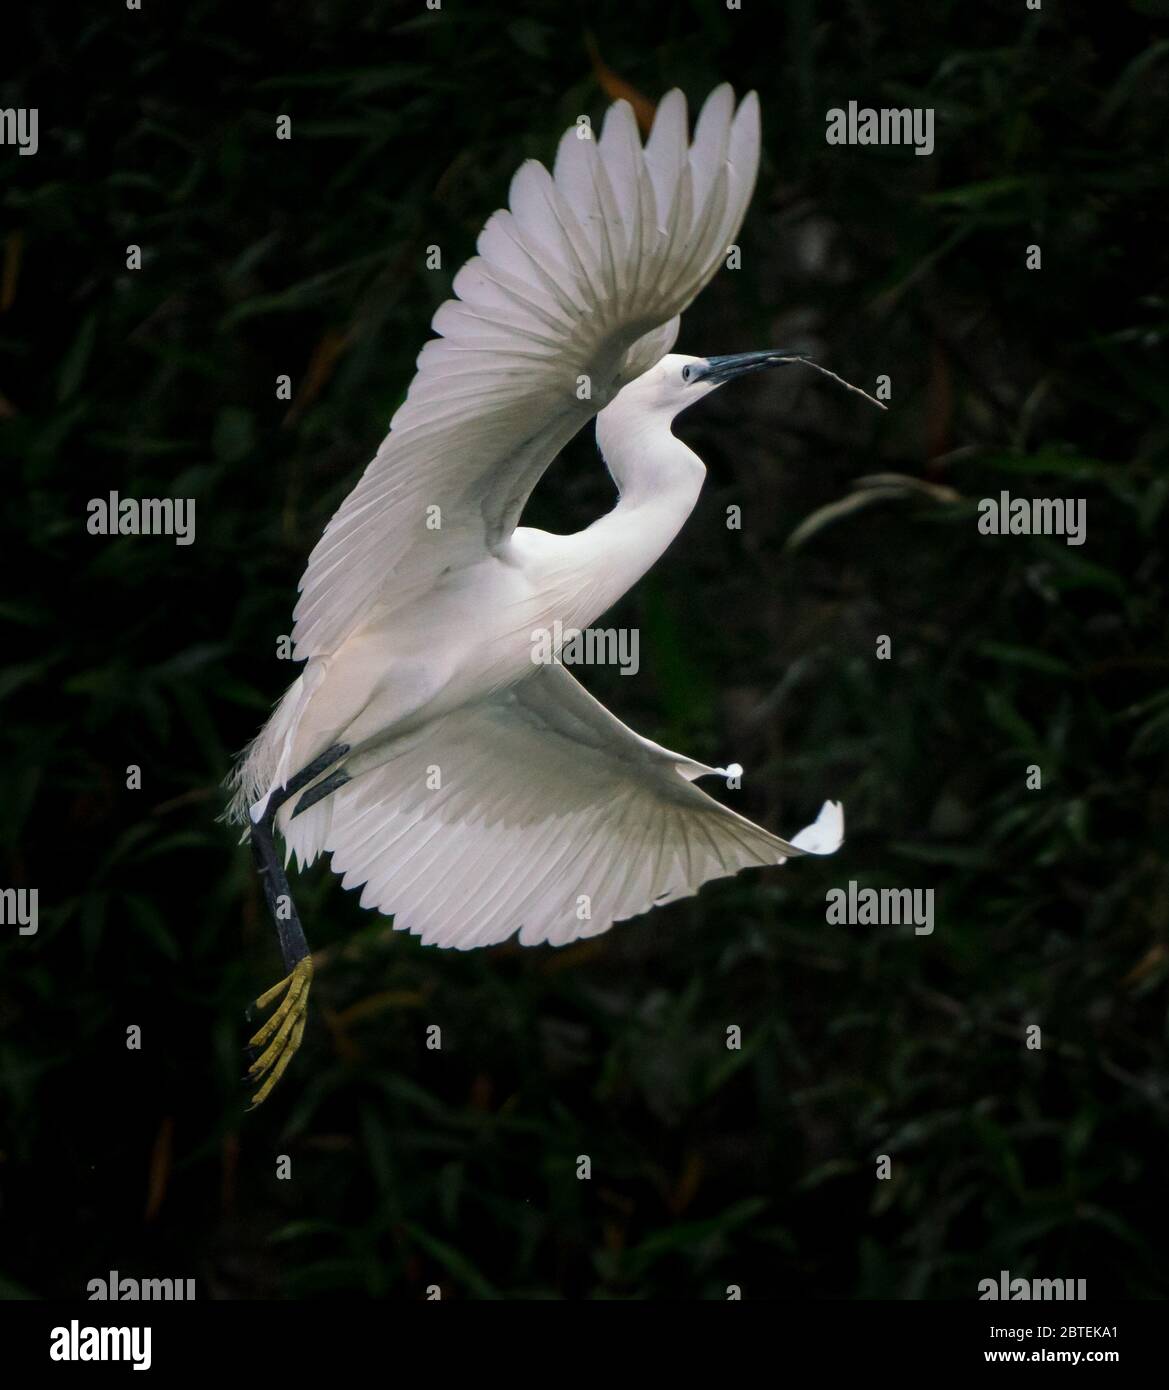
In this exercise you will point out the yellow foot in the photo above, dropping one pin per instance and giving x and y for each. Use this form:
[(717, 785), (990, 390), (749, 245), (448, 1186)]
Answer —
[(283, 1031)]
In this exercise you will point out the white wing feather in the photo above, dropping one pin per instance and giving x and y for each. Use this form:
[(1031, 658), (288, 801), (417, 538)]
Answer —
[(583, 277), (553, 819)]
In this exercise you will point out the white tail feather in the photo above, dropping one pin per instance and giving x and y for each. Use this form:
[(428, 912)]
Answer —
[(258, 767)]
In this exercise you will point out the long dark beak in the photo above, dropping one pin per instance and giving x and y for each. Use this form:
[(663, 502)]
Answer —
[(720, 369)]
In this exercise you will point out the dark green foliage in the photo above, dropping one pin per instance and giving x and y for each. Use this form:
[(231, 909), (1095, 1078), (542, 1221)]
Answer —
[(710, 1167)]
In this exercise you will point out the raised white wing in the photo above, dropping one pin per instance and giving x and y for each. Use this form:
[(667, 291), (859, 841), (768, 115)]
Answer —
[(548, 816), (581, 281)]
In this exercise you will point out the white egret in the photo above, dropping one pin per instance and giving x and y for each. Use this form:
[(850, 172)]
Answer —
[(467, 791)]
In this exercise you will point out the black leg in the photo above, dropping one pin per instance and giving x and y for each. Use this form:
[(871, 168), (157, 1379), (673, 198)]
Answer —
[(325, 787), (305, 776), (293, 945), (274, 1045)]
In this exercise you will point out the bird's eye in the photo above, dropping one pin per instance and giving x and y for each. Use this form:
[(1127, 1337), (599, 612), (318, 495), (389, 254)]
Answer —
[(686, 373)]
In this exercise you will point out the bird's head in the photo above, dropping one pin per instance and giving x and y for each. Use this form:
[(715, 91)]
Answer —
[(650, 402), (654, 399), (678, 382)]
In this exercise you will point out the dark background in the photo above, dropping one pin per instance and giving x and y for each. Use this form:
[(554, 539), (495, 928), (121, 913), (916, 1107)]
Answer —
[(307, 257)]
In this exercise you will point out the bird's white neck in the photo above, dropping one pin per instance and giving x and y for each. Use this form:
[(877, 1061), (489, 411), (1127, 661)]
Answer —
[(659, 480), (647, 462)]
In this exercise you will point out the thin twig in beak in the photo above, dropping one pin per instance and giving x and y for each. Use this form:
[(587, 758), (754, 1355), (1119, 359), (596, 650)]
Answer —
[(847, 384)]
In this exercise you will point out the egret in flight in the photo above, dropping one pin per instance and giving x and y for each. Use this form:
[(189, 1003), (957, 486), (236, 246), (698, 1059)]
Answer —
[(468, 791)]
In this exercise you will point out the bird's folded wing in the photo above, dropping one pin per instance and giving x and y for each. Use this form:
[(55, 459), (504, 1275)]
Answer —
[(574, 291), (539, 812)]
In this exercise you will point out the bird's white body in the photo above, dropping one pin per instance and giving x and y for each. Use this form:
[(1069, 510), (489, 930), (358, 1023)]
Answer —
[(486, 794), (470, 632)]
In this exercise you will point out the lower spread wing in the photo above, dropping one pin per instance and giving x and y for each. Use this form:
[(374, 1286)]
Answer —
[(574, 291), (535, 811)]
